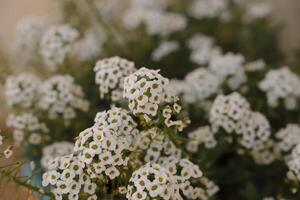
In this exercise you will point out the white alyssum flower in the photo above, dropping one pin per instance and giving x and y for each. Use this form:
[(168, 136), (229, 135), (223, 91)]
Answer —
[(148, 93), (154, 144), (102, 151), (110, 74), (90, 45), (22, 90), (200, 9), (228, 112), (27, 127), (162, 184), (57, 149), (57, 43), (254, 66), (288, 138), (201, 136), (120, 121), (202, 49), (67, 179), (191, 182), (257, 10), (200, 84), (265, 152), (60, 96), (281, 84), (29, 32), (8, 152), (164, 49), (229, 66), (294, 163)]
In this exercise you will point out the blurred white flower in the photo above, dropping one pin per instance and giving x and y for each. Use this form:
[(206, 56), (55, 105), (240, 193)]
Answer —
[(165, 48)]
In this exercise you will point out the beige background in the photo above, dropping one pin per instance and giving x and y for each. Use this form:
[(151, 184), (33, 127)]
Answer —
[(285, 12)]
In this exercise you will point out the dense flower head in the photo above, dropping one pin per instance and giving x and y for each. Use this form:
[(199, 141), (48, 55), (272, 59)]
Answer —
[(57, 149), (288, 138), (120, 121), (56, 44), (189, 178), (229, 111), (60, 96), (202, 49), (152, 181), (294, 163), (28, 36), (102, 151), (201, 136), (90, 45), (148, 94), (110, 74), (67, 178), (200, 84), (208, 8), (229, 66), (164, 49), (154, 145), (156, 22), (281, 84), (265, 152), (22, 90), (27, 128)]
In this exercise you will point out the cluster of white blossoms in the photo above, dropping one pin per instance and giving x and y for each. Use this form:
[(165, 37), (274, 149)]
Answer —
[(103, 152), (120, 121), (28, 36), (57, 149), (148, 95), (154, 146), (202, 49), (110, 74), (257, 10), (60, 96), (22, 90), (90, 45), (164, 49), (27, 129), (201, 9), (252, 129), (201, 136), (154, 16), (200, 84), (190, 179), (281, 84), (229, 66), (68, 180), (57, 44), (294, 162), (288, 138), (153, 181)]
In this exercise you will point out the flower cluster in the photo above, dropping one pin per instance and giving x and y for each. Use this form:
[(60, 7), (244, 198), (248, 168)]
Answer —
[(165, 48), (190, 179), (200, 84), (152, 181), (57, 149), (294, 163), (22, 90), (60, 96), (110, 74), (202, 49), (208, 8), (229, 66), (67, 180), (28, 36), (27, 129), (154, 145), (56, 44), (281, 84), (201, 136), (288, 138), (148, 95)]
